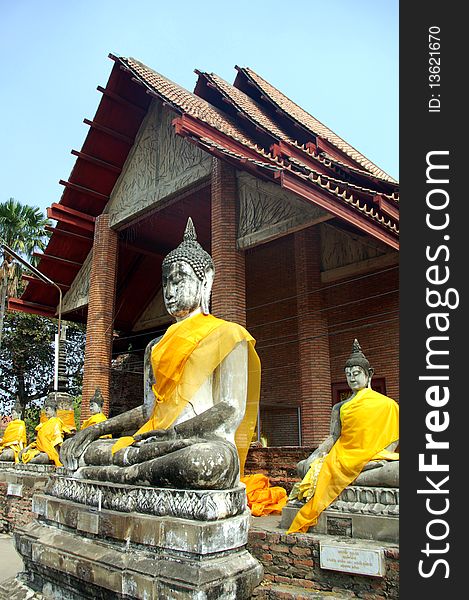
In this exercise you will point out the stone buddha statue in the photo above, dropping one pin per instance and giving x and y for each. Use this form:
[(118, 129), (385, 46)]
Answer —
[(14, 437), (360, 450), (201, 393), (96, 410), (49, 436)]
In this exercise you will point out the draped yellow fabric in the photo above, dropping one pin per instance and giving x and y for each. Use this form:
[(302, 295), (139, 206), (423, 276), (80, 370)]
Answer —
[(14, 437), (369, 423), (263, 499), (49, 435), (182, 360), (97, 418), (67, 417)]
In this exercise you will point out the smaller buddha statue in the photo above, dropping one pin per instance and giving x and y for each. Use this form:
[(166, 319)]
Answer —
[(96, 412), (14, 437), (50, 436), (361, 447)]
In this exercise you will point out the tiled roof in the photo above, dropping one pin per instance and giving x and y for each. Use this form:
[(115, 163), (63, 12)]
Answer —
[(248, 106), (311, 123), (187, 102)]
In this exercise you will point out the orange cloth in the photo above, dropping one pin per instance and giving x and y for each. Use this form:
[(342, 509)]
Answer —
[(66, 416), (369, 423), (263, 499), (182, 360), (14, 437), (49, 435)]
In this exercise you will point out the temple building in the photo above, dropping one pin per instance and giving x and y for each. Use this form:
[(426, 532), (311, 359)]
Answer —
[(303, 230)]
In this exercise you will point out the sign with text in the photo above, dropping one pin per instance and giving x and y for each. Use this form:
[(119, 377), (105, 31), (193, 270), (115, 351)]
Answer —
[(352, 559)]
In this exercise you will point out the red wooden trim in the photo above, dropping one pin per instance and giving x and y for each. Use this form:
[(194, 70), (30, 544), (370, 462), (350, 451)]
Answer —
[(52, 258), (97, 161), (290, 182), (31, 279), (108, 131), (71, 234), (83, 190), (123, 101), (59, 212), (386, 206), (186, 125), (31, 307)]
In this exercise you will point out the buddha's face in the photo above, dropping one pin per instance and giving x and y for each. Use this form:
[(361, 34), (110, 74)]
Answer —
[(15, 415), (357, 378), (182, 289), (94, 408), (49, 411)]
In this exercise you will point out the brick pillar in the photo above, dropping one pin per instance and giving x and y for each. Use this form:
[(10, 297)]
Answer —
[(229, 288), (314, 367), (99, 328)]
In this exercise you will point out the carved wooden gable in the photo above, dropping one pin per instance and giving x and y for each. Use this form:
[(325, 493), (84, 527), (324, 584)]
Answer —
[(268, 212), (77, 295), (159, 165)]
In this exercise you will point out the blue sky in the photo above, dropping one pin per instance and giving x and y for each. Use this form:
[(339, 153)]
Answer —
[(337, 59)]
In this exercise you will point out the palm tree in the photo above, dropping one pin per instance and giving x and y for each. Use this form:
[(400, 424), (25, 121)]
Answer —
[(22, 228)]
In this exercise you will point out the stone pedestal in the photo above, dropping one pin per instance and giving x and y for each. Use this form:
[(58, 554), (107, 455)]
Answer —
[(360, 512), (94, 540)]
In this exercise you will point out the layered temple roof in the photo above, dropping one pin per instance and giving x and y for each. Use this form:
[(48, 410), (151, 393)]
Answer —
[(249, 124)]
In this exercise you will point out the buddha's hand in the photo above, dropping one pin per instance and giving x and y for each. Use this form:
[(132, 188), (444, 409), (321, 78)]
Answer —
[(156, 435), (303, 466), (73, 448)]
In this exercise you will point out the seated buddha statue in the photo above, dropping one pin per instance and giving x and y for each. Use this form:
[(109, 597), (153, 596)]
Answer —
[(14, 437), (201, 392), (361, 447), (96, 410), (49, 436)]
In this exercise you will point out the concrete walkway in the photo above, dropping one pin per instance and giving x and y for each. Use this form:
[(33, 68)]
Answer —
[(10, 561)]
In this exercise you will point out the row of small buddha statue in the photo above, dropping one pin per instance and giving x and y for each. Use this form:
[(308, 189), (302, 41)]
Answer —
[(50, 433)]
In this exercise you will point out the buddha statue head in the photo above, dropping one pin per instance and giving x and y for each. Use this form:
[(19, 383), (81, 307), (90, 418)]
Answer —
[(357, 369), (188, 273), (96, 402), (16, 411), (50, 406)]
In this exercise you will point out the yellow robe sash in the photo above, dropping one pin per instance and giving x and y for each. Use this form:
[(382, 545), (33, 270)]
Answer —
[(97, 418), (49, 435), (182, 360), (14, 437), (369, 423)]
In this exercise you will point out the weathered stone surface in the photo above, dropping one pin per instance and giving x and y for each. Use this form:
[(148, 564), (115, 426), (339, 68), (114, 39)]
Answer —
[(71, 565), (359, 512), (200, 505)]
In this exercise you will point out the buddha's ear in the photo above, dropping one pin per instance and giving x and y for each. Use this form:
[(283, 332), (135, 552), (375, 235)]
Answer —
[(207, 283), (371, 372)]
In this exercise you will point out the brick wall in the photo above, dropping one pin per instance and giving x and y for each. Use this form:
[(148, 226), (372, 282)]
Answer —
[(16, 510), (279, 464), (367, 309), (364, 307), (291, 570)]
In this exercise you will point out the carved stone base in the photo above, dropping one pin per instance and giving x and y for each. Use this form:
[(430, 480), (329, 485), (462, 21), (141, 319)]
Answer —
[(76, 552), (359, 512)]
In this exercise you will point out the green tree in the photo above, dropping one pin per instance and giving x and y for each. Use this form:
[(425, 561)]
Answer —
[(22, 228), (27, 359)]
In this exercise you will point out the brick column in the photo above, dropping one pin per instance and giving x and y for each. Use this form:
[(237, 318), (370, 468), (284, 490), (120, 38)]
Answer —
[(314, 367), (229, 288), (99, 328)]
